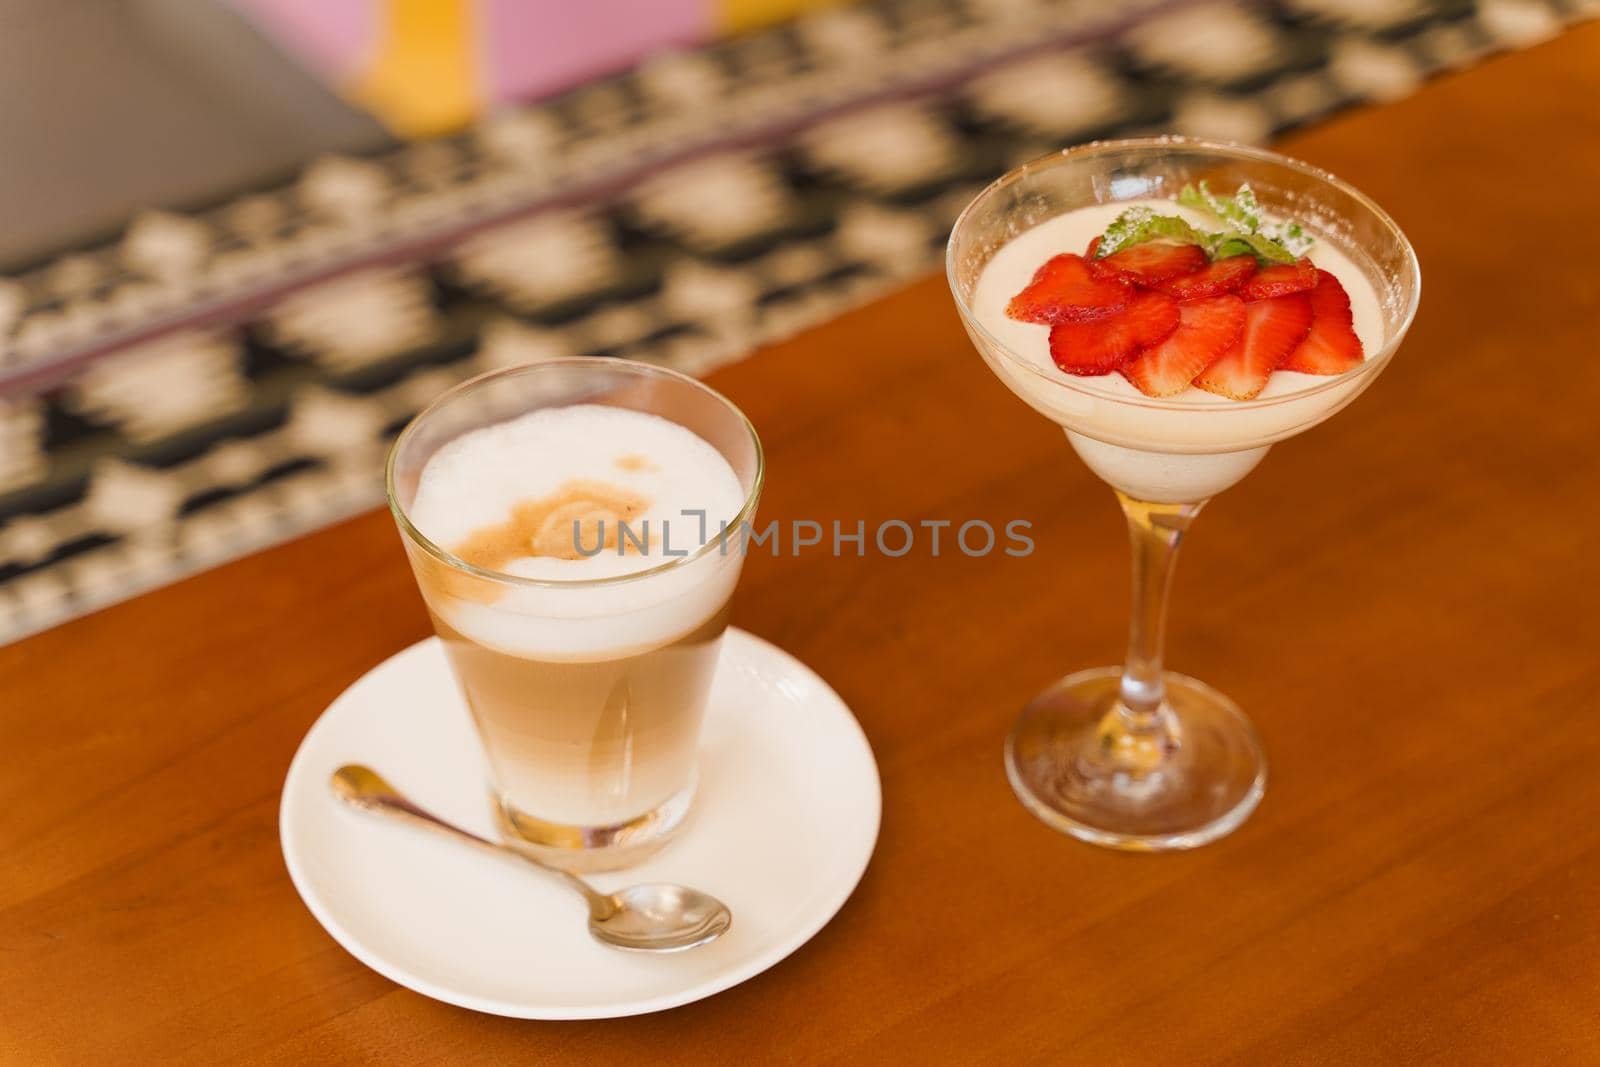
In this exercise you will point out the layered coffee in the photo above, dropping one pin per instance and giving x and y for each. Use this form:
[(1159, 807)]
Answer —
[(585, 630)]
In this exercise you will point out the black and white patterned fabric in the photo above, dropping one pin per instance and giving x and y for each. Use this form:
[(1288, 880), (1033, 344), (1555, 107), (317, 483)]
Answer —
[(222, 379)]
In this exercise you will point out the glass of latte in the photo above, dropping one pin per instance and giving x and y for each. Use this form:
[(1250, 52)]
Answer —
[(575, 527)]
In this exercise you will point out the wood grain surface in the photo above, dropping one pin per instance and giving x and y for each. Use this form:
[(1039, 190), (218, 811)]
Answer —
[(1403, 600)]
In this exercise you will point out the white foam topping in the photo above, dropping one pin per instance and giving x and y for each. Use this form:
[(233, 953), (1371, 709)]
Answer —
[(477, 480)]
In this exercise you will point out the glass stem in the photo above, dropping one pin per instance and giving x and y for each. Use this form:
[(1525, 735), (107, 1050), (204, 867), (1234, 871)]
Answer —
[(1141, 732)]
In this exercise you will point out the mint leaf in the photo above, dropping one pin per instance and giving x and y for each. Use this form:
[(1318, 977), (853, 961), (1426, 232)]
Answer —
[(1242, 232), (1280, 242), (1139, 224), (1240, 211), (1259, 245), (1232, 246), (1292, 237)]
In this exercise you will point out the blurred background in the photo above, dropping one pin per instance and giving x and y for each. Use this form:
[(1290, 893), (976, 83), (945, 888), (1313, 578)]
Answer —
[(243, 241)]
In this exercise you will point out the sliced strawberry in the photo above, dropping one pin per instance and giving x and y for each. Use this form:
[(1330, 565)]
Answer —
[(1280, 279), (1150, 263), (1272, 329), (1064, 290), (1094, 246), (1332, 346), (1101, 346), (1214, 279), (1206, 329)]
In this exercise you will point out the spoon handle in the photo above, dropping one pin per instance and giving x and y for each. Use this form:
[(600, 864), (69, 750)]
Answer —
[(364, 788)]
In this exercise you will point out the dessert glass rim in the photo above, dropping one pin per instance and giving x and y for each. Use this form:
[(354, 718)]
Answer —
[(1413, 272), (629, 366)]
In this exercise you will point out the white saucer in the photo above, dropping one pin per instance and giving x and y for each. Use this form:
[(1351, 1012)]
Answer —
[(783, 825)]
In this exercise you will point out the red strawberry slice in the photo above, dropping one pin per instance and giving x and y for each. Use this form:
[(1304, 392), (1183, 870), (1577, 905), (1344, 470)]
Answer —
[(1214, 279), (1272, 329), (1101, 346), (1094, 246), (1064, 290), (1150, 263), (1332, 346), (1280, 279), (1206, 329)]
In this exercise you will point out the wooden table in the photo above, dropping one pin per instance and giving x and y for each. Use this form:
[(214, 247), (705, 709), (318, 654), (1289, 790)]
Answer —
[(1403, 600)]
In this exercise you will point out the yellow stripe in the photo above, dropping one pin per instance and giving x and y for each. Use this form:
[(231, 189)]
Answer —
[(423, 78), (736, 16)]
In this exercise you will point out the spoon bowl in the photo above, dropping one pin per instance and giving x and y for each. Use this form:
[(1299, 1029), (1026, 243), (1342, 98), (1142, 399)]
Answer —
[(660, 917)]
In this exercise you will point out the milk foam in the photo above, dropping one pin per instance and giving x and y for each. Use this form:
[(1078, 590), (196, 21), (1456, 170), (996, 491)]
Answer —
[(476, 480)]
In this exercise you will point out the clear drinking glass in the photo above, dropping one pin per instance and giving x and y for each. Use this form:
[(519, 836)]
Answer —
[(587, 694), (1137, 757)]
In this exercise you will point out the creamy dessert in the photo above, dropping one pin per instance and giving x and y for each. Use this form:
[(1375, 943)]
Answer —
[(1174, 340)]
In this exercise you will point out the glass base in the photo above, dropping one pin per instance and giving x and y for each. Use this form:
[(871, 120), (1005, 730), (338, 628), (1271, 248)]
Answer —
[(1064, 765), (584, 849)]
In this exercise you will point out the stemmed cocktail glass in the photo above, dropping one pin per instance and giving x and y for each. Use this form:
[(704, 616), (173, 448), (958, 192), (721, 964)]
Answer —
[(1138, 757)]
